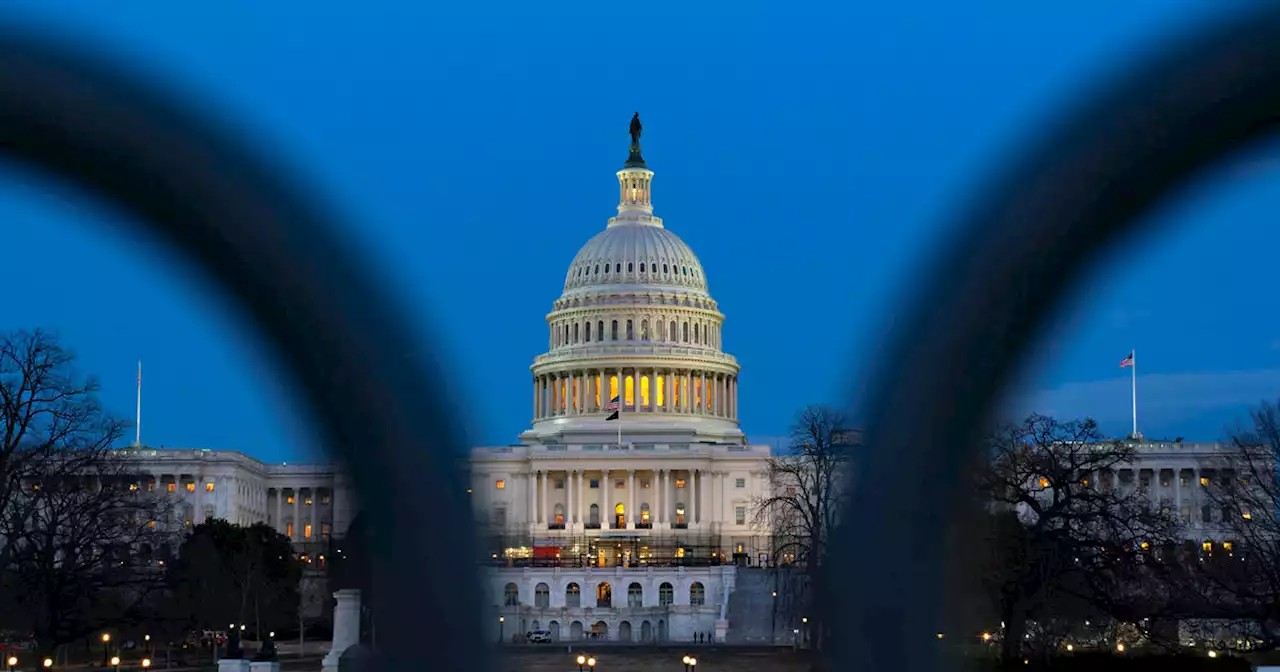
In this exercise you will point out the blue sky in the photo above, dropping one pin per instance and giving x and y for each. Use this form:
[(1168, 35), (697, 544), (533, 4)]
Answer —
[(809, 153)]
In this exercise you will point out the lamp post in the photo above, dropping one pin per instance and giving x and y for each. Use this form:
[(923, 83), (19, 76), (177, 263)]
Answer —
[(106, 646), (115, 663), (11, 662), (48, 663), (501, 628), (591, 664), (146, 663), (582, 660), (689, 663), (147, 644)]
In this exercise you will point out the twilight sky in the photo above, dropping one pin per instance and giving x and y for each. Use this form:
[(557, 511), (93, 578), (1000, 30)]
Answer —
[(809, 157)]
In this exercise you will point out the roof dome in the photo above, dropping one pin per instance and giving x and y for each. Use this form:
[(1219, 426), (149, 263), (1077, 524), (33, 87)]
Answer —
[(634, 253)]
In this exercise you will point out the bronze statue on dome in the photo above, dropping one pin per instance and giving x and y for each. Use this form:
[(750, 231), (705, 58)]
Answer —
[(635, 129), (635, 160)]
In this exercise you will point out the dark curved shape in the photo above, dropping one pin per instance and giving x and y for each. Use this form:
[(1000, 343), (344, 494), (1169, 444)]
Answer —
[(1018, 254), (260, 238)]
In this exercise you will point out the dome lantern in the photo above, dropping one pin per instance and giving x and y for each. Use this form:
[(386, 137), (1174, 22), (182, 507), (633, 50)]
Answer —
[(635, 180)]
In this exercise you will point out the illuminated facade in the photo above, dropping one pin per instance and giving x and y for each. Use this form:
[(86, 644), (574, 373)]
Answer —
[(627, 528)]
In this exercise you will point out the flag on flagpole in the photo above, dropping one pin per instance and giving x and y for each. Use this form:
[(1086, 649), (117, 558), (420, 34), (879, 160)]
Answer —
[(1127, 361), (612, 408)]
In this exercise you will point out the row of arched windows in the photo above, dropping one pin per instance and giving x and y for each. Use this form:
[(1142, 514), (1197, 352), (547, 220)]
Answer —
[(669, 271), (604, 595), (697, 332)]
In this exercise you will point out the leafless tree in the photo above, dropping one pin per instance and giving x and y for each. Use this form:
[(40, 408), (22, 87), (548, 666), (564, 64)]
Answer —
[(1081, 539), (1237, 503), (77, 523), (799, 511)]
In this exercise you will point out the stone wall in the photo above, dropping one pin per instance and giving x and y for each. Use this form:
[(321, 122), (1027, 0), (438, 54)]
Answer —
[(765, 606)]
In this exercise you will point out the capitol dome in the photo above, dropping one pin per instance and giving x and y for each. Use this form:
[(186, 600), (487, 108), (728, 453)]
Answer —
[(635, 323)]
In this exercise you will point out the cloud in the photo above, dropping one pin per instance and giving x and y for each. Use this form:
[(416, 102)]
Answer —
[(1160, 395)]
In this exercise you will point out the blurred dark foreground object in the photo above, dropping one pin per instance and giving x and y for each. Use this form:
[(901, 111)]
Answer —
[(282, 259), (1107, 662)]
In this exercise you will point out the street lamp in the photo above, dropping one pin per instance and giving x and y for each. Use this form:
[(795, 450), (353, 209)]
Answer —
[(591, 663), (106, 646), (11, 662), (146, 662), (48, 663), (582, 660), (501, 628), (115, 662), (689, 663)]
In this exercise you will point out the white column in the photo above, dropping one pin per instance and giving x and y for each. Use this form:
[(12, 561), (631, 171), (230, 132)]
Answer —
[(535, 396), (297, 513), (542, 502), (604, 496), (692, 504), (532, 517), (659, 516), (346, 626), (577, 502), (279, 521), (631, 499), (315, 513)]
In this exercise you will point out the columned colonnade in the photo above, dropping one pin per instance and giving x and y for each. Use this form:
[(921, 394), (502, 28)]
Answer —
[(658, 498), (643, 390)]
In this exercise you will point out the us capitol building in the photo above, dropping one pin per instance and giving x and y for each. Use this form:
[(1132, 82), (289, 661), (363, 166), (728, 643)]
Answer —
[(623, 520)]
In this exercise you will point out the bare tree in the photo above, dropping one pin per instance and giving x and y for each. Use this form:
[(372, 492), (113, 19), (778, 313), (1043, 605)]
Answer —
[(1237, 503), (799, 511), (1083, 538), (77, 523)]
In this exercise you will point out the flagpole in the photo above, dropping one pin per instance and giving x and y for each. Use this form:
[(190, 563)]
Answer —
[(137, 425), (620, 400), (1133, 370)]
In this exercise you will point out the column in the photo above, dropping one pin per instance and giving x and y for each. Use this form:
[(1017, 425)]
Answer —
[(297, 513), (537, 406), (279, 521), (1177, 493), (578, 501), (542, 501), (604, 495), (658, 478), (694, 482), (653, 391), (532, 518), (733, 386), (199, 513), (315, 513), (668, 392), (631, 499), (702, 407)]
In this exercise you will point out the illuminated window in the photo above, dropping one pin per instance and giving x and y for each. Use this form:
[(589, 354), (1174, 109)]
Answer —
[(697, 594), (324, 499), (1044, 482), (191, 487), (133, 486), (306, 501), (679, 482), (644, 513), (1246, 515), (306, 531), (644, 391), (644, 482), (288, 500), (208, 487), (171, 487), (1227, 546), (151, 524), (500, 484), (631, 392), (1204, 480), (1146, 545), (1207, 546), (613, 386), (288, 530), (662, 388)]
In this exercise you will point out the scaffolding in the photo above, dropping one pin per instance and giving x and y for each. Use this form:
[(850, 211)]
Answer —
[(615, 548)]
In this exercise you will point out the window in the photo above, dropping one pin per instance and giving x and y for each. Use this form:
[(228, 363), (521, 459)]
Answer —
[(740, 483), (288, 530), (306, 531), (686, 332), (664, 268), (600, 330), (306, 501), (644, 330), (593, 484), (588, 332), (671, 335), (665, 595), (606, 268), (575, 332), (679, 482), (511, 595), (324, 530), (604, 595), (630, 334), (288, 500), (644, 482), (697, 594), (593, 515), (617, 268), (635, 595), (642, 267), (558, 518), (630, 267), (1204, 480), (740, 515), (572, 595), (559, 484), (324, 499), (208, 487), (542, 596), (613, 334), (499, 484), (209, 513), (191, 487), (619, 483)]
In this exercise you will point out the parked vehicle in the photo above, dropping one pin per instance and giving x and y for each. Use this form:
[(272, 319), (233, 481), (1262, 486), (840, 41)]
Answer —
[(538, 637)]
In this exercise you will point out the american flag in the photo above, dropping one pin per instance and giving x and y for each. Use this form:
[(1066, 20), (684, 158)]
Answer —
[(612, 409), (1127, 361)]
